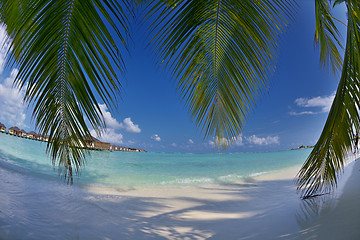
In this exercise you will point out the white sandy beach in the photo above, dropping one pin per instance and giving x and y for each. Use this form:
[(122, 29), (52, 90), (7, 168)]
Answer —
[(263, 208)]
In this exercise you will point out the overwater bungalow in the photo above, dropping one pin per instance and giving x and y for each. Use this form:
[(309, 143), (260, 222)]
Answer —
[(117, 148), (97, 144), (2, 127), (33, 135), (92, 143), (113, 148), (45, 138), (23, 133), (137, 150), (126, 149), (14, 131)]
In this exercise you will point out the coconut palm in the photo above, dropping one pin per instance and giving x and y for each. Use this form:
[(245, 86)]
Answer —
[(65, 51), (325, 162), (221, 51)]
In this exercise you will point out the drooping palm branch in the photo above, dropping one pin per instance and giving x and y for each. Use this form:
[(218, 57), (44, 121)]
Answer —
[(324, 164), (66, 50), (223, 53), (327, 36)]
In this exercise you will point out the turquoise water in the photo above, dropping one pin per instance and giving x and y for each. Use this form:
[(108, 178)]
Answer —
[(119, 195), (127, 168)]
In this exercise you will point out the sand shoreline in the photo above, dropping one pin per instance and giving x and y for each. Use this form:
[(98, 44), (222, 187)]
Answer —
[(253, 205), (264, 207), (338, 216)]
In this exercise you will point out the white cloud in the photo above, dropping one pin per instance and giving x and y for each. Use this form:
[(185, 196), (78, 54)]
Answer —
[(191, 141), (241, 140), (324, 102), (109, 135), (156, 137), (130, 126), (4, 46), (214, 142), (173, 144), (113, 123), (293, 113), (110, 121), (238, 141), (12, 106), (263, 140)]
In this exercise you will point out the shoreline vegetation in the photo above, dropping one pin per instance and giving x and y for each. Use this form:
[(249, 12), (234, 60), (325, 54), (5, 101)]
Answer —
[(302, 147), (92, 144)]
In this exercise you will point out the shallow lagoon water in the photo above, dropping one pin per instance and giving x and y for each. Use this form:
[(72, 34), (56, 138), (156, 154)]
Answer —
[(133, 168), (122, 195)]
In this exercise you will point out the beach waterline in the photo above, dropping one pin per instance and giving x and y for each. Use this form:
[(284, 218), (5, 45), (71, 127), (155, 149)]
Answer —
[(41, 206), (136, 169)]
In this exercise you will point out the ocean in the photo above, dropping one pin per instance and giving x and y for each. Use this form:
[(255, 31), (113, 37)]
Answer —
[(132, 168)]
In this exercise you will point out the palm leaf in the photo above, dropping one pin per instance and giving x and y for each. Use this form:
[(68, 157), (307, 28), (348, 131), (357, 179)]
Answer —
[(66, 50), (321, 169), (327, 36), (223, 53)]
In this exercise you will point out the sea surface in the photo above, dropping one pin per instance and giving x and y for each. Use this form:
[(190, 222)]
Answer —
[(133, 168)]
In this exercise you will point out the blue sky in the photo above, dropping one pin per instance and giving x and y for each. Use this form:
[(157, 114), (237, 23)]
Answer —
[(152, 116)]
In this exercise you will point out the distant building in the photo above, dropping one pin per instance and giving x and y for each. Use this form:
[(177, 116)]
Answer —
[(119, 148), (114, 148), (97, 144), (92, 143), (2, 127), (14, 131), (33, 135), (138, 150), (44, 138), (126, 149), (23, 133)]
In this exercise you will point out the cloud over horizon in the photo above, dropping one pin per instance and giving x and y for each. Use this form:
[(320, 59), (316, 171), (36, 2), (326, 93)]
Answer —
[(323, 102), (238, 141), (253, 139), (130, 126), (110, 133), (12, 104), (113, 123)]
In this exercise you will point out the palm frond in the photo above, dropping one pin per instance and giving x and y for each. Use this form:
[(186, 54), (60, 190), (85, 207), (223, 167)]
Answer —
[(223, 53), (65, 51), (321, 169), (327, 36)]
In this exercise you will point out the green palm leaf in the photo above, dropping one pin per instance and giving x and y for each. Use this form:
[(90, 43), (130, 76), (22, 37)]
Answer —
[(222, 52), (325, 162), (327, 36), (66, 50)]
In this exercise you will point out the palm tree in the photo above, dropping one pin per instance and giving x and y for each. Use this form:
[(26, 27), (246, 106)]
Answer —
[(66, 50), (325, 162), (221, 51)]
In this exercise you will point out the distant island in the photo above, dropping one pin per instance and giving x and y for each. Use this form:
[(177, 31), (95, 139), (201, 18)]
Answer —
[(302, 147)]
